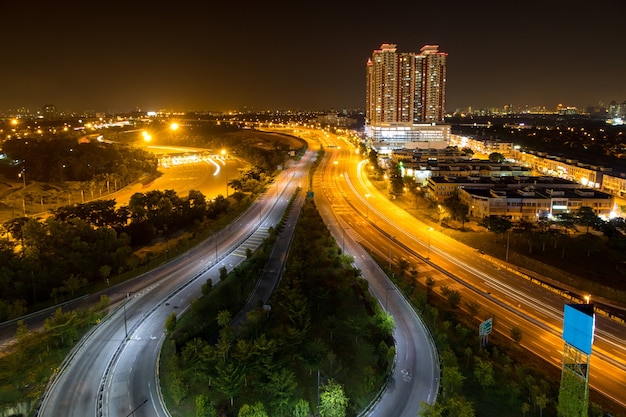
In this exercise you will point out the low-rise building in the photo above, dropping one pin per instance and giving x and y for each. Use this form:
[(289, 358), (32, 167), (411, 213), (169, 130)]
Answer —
[(520, 198), (531, 204)]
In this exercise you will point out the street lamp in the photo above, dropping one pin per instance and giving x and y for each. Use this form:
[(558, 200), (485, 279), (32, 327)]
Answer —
[(390, 242), (224, 153), (508, 235), (430, 229), (22, 174), (125, 325), (587, 298)]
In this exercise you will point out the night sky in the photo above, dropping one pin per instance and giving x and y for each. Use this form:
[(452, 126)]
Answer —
[(192, 55)]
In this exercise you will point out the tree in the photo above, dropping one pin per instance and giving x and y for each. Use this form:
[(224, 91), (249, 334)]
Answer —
[(496, 157), (74, 283), (516, 334), (385, 322), (430, 285), (333, 401), (473, 307), (457, 209), (403, 265), (542, 402), (396, 183), (105, 271), (595, 410), (483, 371), (459, 407), (525, 408), (301, 409), (432, 410), (586, 217), (280, 387), (178, 388), (229, 380), (223, 318), (453, 296), (256, 410), (497, 224), (223, 273), (170, 323), (527, 229), (452, 380)]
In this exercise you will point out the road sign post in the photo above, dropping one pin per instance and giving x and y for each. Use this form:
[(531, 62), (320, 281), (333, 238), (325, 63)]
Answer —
[(484, 329)]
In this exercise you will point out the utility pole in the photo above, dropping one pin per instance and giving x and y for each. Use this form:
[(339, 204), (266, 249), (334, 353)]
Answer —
[(508, 235)]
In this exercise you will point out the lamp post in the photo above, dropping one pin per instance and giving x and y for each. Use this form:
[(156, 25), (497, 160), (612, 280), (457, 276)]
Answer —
[(508, 234), (440, 212), (224, 153), (22, 174), (392, 238), (430, 229), (125, 325)]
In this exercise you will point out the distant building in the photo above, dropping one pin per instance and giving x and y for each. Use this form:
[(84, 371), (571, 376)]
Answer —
[(589, 175), (49, 112), (405, 99), (484, 146), (336, 120)]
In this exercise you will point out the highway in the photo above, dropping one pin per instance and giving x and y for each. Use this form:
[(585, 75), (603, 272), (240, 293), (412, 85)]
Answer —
[(416, 372), (113, 372), (392, 234), (361, 219)]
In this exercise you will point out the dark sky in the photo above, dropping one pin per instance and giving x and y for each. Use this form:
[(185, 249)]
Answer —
[(205, 55)]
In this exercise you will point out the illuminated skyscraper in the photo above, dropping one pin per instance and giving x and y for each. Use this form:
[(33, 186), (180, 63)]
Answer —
[(433, 83), (406, 87), (405, 97)]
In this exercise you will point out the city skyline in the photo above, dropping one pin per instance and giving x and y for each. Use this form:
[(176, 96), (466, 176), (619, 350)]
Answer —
[(260, 57)]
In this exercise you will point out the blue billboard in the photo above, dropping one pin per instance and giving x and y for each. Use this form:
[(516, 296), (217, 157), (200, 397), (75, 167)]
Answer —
[(579, 323)]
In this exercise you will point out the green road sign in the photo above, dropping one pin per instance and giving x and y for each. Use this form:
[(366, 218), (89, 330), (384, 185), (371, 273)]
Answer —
[(485, 327)]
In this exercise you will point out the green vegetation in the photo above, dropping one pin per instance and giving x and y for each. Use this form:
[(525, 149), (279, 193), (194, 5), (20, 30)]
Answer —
[(501, 379), (323, 327), (35, 356), (82, 249)]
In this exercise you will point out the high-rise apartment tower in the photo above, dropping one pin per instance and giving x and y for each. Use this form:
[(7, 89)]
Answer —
[(406, 86), (405, 95)]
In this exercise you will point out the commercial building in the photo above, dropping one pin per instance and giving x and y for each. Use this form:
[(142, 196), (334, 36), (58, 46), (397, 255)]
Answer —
[(405, 99), (520, 198)]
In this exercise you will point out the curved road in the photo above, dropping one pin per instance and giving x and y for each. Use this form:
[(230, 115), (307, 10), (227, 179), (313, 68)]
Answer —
[(393, 235), (113, 373), (416, 373)]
